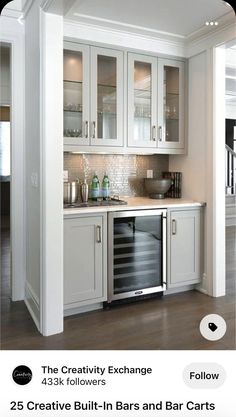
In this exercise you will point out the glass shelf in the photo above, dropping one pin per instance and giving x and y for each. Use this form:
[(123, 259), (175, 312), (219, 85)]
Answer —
[(103, 113), (142, 94), (172, 94), (72, 111), (71, 81), (142, 117), (107, 86)]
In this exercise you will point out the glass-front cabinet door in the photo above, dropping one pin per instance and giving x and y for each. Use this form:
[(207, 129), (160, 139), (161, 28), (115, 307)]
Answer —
[(76, 94), (107, 97), (142, 101), (170, 104)]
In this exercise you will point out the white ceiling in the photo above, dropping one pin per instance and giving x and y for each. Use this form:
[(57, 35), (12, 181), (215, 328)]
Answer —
[(179, 17)]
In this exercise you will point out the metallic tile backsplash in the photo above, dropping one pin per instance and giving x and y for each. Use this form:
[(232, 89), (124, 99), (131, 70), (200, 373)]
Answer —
[(125, 172)]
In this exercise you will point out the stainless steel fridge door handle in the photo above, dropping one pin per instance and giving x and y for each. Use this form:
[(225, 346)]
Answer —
[(160, 133), (174, 227), (99, 234)]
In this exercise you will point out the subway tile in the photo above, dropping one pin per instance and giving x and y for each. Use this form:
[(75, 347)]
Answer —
[(126, 172)]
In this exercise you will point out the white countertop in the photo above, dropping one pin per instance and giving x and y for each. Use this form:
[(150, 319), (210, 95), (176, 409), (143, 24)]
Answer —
[(136, 203)]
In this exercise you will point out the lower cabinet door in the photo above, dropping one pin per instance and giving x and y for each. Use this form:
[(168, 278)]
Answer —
[(184, 248), (84, 275)]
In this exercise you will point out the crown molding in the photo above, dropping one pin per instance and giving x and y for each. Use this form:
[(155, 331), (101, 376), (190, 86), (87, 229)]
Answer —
[(206, 31), (127, 27), (137, 37), (13, 13), (223, 34), (90, 32)]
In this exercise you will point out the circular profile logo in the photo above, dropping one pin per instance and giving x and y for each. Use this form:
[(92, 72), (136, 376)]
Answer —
[(22, 375)]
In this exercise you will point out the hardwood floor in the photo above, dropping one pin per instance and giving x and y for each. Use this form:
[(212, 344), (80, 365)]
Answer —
[(168, 323)]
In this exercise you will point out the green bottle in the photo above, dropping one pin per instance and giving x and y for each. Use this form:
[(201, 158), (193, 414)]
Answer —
[(95, 187), (105, 187)]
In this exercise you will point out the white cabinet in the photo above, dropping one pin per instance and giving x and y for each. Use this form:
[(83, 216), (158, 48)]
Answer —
[(107, 104), (93, 96), (111, 106), (155, 103), (170, 104), (142, 101), (184, 247), (85, 258), (76, 94)]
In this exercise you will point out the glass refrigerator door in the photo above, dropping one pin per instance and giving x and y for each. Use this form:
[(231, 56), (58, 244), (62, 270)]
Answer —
[(137, 253)]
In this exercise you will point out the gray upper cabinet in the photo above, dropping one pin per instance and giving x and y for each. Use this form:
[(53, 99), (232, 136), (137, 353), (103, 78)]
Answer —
[(85, 280), (171, 91), (122, 101), (184, 243), (155, 103), (107, 102), (142, 101), (76, 94), (93, 96)]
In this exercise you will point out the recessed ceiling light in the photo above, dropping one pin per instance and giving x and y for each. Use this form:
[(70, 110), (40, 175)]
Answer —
[(211, 23)]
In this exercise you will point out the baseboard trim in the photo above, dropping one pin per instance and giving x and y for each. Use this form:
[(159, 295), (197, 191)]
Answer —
[(78, 310), (32, 303), (203, 285), (177, 290), (202, 290)]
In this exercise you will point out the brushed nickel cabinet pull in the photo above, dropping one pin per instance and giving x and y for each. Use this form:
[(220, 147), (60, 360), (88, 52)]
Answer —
[(160, 133), (174, 227), (94, 130), (99, 234), (86, 133), (154, 133)]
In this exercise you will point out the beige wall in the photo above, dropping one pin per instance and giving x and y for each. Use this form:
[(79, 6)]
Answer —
[(193, 165)]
